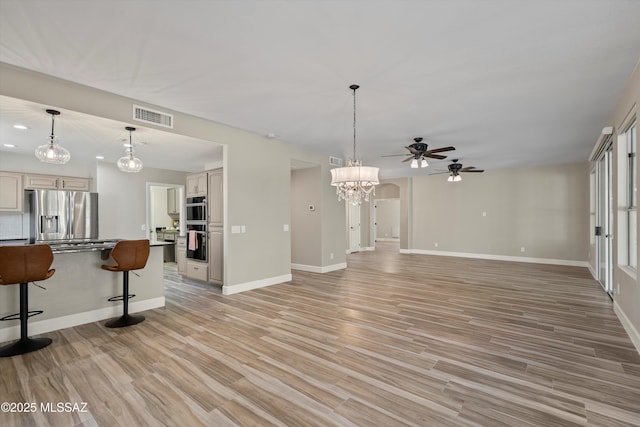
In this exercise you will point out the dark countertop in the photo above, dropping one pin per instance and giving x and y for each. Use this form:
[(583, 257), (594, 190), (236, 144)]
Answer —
[(73, 246)]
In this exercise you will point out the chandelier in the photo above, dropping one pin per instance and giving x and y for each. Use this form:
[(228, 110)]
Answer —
[(130, 163), (52, 152), (354, 182)]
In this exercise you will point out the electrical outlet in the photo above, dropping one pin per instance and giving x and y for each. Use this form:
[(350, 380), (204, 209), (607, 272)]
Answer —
[(435, 244), (143, 227), (522, 249), (285, 227), (484, 214), (331, 255)]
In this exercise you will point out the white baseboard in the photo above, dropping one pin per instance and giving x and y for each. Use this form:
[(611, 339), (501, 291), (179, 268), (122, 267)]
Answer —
[(567, 262), (318, 269), (593, 273), (234, 289), (71, 320), (368, 248), (633, 333)]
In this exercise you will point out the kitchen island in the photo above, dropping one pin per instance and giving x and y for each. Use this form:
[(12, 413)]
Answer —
[(78, 292)]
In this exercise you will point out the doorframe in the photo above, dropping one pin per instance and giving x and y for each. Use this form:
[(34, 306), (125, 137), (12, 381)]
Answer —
[(604, 218)]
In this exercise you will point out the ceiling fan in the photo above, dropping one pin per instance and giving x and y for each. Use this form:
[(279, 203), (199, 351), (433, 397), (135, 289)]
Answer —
[(456, 168), (419, 153)]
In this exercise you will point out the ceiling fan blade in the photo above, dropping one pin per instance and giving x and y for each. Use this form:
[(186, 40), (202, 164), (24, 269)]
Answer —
[(434, 156), (395, 155), (438, 173), (412, 150), (408, 158), (440, 150), (473, 170)]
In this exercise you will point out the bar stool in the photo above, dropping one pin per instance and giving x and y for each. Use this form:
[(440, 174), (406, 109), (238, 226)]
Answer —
[(129, 255), (24, 264)]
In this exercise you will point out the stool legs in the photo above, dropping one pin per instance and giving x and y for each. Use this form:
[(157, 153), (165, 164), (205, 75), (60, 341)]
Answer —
[(126, 319), (24, 344)]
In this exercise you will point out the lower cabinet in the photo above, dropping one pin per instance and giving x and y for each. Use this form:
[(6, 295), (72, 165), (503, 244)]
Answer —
[(197, 270), (181, 254), (215, 254)]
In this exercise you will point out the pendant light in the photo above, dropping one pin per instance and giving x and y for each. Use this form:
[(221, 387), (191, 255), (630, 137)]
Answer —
[(130, 163), (354, 182), (52, 152)]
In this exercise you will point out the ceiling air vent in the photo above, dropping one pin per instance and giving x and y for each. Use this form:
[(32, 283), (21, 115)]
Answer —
[(335, 161), (158, 118)]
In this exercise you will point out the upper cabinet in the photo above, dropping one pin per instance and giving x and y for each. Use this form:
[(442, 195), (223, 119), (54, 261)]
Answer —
[(197, 184), (214, 198), (52, 182), (173, 201), (10, 192)]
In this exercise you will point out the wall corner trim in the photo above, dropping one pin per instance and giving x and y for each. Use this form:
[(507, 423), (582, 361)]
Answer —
[(633, 333), (256, 284), (318, 269)]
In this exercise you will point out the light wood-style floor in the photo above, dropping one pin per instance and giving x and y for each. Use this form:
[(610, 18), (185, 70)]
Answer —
[(393, 340)]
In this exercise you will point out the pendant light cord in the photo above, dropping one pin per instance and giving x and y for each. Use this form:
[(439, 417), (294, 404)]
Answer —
[(53, 117), (353, 88)]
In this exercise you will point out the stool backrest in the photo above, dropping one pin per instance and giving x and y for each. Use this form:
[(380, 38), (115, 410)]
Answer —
[(22, 264), (131, 254)]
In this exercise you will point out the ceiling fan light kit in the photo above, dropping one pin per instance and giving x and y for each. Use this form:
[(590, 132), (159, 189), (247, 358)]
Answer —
[(130, 163), (52, 152), (354, 182), (455, 168)]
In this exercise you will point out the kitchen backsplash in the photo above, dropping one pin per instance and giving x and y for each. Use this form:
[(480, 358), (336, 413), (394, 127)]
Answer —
[(14, 226)]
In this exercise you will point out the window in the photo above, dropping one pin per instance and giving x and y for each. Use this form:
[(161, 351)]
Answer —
[(632, 197)]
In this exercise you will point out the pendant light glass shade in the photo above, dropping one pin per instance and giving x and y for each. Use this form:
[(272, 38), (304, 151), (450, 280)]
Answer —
[(130, 163), (52, 152), (354, 183)]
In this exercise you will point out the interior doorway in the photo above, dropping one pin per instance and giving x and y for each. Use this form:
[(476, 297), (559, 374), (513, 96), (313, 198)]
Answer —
[(353, 226), (386, 220)]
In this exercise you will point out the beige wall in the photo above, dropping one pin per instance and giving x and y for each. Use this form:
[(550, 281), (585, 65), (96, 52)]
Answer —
[(306, 225), (400, 188), (256, 187), (544, 209)]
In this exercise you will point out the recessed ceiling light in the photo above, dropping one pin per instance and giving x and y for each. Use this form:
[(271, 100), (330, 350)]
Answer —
[(21, 127), (9, 145), (100, 157)]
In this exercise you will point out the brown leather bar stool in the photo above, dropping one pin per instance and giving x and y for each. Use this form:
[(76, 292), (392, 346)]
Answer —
[(129, 255), (24, 264)]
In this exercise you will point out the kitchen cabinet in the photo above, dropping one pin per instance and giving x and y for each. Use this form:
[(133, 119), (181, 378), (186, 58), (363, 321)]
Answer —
[(173, 201), (214, 198), (181, 254), (215, 255), (53, 182), (197, 184), (197, 270), (11, 195)]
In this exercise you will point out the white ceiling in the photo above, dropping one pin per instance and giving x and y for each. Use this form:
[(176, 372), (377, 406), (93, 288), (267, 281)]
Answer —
[(508, 83)]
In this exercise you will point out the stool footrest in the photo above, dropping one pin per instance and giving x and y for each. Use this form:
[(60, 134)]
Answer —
[(16, 316), (121, 297), (23, 346)]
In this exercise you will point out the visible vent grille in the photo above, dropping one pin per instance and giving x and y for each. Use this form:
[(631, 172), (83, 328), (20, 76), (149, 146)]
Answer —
[(335, 161), (150, 116)]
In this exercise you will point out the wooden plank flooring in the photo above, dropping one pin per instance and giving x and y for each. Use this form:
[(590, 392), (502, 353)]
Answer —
[(393, 340)]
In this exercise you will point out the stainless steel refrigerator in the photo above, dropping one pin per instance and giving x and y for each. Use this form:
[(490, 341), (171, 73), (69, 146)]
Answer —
[(62, 215)]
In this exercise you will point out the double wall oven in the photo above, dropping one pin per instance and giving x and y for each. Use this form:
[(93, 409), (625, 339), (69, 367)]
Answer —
[(197, 228)]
